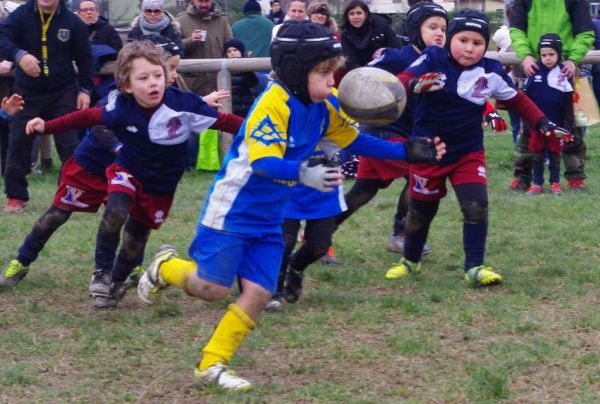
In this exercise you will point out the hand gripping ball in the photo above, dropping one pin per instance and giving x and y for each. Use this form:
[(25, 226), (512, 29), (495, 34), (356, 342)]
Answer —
[(372, 96)]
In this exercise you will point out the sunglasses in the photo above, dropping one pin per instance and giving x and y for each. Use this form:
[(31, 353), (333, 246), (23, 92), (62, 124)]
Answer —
[(158, 11)]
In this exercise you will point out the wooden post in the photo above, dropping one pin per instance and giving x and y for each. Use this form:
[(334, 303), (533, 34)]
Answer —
[(224, 83)]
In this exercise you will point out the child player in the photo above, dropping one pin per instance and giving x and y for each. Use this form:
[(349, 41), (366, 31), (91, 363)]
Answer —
[(239, 229), (153, 123), (464, 80), (551, 91)]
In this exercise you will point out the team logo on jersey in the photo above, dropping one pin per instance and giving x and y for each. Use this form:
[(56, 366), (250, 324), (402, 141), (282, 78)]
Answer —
[(173, 126), (159, 216), (480, 86), (537, 78), (561, 81), (72, 196), (421, 186), (267, 133), (131, 129), (481, 171), (63, 35), (122, 178)]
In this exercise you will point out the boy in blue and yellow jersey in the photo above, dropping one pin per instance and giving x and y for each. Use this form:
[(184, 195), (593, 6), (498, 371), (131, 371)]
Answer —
[(239, 230)]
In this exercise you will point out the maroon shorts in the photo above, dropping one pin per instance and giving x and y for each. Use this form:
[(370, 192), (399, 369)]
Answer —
[(385, 170), (538, 141), (78, 189), (428, 181), (148, 209)]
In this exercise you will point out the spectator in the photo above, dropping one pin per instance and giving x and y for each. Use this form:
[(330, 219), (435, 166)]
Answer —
[(319, 13), (154, 20), (254, 30), (204, 29), (295, 11), (46, 79), (571, 20), (106, 43), (363, 33), (276, 14), (100, 31), (241, 83)]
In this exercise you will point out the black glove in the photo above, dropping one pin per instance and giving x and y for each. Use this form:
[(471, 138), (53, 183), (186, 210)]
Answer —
[(420, 150), (549, 128)]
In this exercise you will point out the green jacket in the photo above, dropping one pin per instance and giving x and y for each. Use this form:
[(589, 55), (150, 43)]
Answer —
[(570, 19), (254, 31)]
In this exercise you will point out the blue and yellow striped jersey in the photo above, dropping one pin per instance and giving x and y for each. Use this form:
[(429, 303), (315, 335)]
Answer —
[(280, 126)]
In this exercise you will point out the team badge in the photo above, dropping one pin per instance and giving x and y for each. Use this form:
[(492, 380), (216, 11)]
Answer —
[(173, 126), (421, 186), (159, 216), (72, 196), (131, 129), (267, 133), (63, 35), (480, 86), (122, 178)]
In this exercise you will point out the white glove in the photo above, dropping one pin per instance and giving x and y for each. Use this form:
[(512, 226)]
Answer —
[(319, 176)]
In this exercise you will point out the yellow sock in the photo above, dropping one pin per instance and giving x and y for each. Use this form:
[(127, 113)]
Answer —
[(175, 271), (228, 336)]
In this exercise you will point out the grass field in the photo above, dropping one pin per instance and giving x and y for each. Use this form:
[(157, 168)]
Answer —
[(353, 337)]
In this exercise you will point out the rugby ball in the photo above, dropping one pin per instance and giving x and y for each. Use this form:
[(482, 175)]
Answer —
[(372, 96)]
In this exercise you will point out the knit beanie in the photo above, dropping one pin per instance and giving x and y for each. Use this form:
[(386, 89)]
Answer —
[(234, 43), (152, 5), (252, 6)]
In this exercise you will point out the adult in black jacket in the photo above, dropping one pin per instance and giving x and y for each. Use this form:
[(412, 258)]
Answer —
[(363, 33), (99, 30), (46, 80)]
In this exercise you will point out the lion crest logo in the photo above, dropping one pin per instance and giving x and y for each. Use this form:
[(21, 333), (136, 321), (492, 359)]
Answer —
[(173, 126)]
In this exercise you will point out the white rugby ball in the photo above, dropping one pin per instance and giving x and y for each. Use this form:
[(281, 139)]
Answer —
[(372, 96)]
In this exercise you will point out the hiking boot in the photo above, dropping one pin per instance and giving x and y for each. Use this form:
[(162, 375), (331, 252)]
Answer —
[(220, 375), (517, 185), (117, 292), (576, 184), (275, 305), (151, 283), (403, 268), (396, 245), (329, 257), (535, 190), (482, 276), (14, 205), (100, 283), (293, 285), (555, 188), (136, 274), (13, 274)]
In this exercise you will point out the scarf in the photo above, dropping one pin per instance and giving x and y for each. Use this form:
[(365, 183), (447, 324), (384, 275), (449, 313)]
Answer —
[(150, 29)]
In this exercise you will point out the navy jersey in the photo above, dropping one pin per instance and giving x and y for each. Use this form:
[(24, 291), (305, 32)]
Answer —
[(396, 61), (155, 145), (94, 154), (551, 91), (455, 112)]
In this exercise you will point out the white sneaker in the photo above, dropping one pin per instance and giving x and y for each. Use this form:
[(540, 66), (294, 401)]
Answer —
[(223, 377), (151, 283)]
